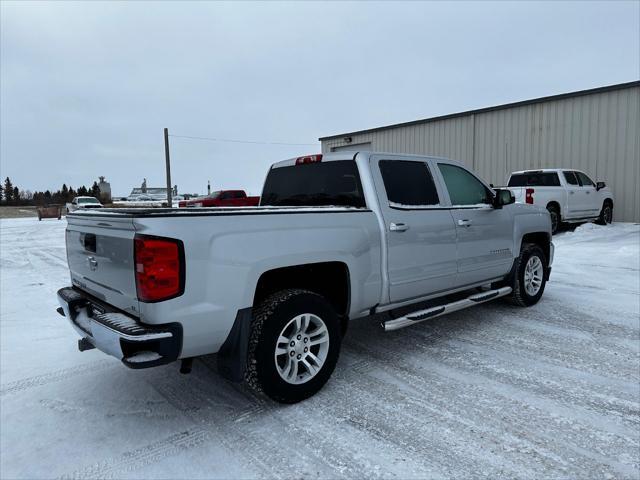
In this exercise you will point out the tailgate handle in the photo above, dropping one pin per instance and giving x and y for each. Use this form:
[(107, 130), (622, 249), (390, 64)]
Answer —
[(398, 227)]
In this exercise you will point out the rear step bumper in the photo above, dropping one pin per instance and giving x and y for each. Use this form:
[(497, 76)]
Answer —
[(422, 315), (101, 326)]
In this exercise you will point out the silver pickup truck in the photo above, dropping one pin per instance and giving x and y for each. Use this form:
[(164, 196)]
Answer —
[(271, 289)]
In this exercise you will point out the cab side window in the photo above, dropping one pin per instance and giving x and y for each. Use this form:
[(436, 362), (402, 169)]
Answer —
[(585, 180), (408, 183), (571, 178), (463, 187)]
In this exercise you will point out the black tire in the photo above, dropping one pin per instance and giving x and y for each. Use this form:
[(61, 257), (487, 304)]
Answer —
[(556, 221), (606, 214), (269, 319), (520, 296)]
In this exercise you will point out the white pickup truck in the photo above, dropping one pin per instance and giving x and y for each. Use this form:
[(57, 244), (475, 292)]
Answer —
[(271, 288), (83, 202), (569, 195)]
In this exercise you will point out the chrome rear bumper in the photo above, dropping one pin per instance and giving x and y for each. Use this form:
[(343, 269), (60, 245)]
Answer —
[(137, 345)]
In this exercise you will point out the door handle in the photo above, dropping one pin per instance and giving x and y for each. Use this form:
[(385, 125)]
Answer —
[(571, 192), (464, 223), (588, 192), (398, 227)]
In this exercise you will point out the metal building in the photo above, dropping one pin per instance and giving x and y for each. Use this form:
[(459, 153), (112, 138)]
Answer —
[(597, 131)]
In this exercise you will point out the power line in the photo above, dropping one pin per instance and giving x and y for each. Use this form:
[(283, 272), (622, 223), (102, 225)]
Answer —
[(210, 139)]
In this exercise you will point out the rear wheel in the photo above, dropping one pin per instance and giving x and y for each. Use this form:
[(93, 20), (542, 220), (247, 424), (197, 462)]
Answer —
[(554, 212), (294, 345), (606, 214), (529, 277)]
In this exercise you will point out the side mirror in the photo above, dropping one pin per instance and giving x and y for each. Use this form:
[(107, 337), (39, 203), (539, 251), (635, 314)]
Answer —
[(600, 185), (503, 197)]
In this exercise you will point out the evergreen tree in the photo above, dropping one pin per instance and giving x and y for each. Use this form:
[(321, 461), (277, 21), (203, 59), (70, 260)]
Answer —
[(8, 191), (95, 190), (1, 193), (16, 196)]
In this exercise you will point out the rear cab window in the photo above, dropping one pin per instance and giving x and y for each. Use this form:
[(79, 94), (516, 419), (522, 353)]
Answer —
[(408, 184), (534, 179), (332, 183), (463, 187)]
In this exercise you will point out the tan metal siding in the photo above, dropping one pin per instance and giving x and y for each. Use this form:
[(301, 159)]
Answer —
[(598, 133)]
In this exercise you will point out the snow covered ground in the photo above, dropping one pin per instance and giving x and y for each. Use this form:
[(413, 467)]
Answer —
[(495, 391)]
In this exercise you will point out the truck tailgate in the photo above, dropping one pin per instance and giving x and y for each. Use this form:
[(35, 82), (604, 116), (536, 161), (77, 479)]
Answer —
[(518, 193), (101, 258)]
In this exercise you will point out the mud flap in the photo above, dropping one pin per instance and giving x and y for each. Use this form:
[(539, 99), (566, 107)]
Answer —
[(232, 357)]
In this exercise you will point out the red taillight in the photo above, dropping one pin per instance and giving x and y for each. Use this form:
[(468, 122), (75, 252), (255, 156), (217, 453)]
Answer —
[(159, 268), (309, 159), (529, 195)]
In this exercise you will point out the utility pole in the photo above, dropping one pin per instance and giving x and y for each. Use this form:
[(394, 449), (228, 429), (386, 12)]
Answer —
[(166, 155)]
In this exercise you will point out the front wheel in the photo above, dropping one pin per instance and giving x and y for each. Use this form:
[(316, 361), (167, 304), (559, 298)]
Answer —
[(606, 214), (529, 277), (294, 345)]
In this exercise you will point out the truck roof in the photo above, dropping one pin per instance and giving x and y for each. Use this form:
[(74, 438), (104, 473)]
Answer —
[(350, 155), (546, 170)]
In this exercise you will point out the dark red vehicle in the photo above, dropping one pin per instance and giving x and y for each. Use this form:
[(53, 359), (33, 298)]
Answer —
[(222, 198)]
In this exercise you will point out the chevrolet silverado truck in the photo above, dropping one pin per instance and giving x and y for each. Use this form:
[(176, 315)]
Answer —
[(400, 239), (83, 202), (569, 195)]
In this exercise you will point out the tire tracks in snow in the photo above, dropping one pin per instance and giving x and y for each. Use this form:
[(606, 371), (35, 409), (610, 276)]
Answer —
[(400, 422), (52, 377), (245, 426), (233, 416), (172, 445), (541, 450)]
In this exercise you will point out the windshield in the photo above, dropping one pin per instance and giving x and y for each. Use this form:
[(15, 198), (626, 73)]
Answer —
[(314, 184), (88, 200)]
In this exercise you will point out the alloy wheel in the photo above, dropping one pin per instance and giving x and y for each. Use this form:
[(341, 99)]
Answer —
[(301, 348), (533, 274)]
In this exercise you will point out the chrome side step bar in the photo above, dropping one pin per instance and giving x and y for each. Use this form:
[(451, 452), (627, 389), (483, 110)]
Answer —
[(421, 315)]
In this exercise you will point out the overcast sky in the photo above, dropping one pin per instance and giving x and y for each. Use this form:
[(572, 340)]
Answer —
[(86, 88)]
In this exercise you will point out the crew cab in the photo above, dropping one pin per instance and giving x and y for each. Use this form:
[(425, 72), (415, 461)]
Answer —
[(569, 195), (83, 202), (399, 239), (222, 198)]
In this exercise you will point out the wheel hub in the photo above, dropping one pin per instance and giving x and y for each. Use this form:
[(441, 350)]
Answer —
[(533, 275), (301, 348)]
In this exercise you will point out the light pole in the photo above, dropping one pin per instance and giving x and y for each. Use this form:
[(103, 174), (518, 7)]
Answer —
[(166, 155)]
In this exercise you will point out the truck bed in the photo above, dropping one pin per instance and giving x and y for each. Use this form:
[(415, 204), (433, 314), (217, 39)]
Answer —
[(209, 211)]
